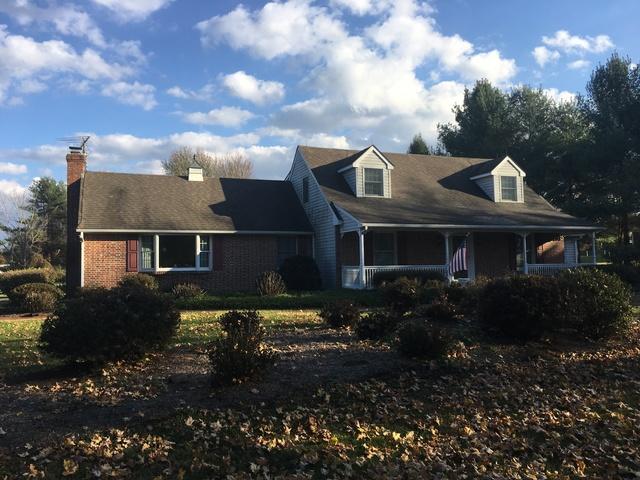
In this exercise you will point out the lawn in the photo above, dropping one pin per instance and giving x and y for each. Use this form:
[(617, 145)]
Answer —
[(333, 407)]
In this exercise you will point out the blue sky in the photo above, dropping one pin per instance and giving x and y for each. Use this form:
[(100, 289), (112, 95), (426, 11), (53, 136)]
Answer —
[(143, 77)]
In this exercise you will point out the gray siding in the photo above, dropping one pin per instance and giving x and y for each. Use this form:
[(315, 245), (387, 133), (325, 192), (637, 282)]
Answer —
[(487, 184), (321, 218), (371, 160), (570, 250), (349, 222), (352, 179)]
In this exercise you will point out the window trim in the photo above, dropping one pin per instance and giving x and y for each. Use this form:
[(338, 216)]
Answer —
[(364, 182), (514, 189), (156, 255)]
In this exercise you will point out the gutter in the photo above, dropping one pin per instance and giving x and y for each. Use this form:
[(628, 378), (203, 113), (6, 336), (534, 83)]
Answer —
[(157, 231), (431, 226)]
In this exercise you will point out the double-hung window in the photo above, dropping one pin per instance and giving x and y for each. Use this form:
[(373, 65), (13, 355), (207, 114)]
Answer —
[(509, 188), (287, 247), (384, 248), (374, 182), (175, 252)]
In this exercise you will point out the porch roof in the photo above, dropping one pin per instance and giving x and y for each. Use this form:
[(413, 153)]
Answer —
[(429, 190)]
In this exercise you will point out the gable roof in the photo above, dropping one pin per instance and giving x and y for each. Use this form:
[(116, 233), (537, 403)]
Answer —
[(355, 159), (432, 191), (132, 202), (490, 167)]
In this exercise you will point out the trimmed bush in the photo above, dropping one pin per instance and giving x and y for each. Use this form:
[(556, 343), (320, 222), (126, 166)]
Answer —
[(380, 278), (376, 325), (187, 290), (340, 314), (38, 261), (521, 307), (135, 280), (269, 284), (455, 293), (628, 273), (440, 310), (14, 278), (100, 324), (35, 297), (240, 354), (431, 289), (401, 295), (417, 338), (598, 304), (300, 273)]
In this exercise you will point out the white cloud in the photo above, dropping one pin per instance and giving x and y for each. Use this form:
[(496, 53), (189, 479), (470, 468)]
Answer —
[(133, 10), (578, 64), (177, 92), (564, 41), (27, 64), (203, 94), (559, 96), (543, 55), (65, 19), (361, 7), (248, 87), (136, 94), (12, 168), (225, 116), (12, 188)]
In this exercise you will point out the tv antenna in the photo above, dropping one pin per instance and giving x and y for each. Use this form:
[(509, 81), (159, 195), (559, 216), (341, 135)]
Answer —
[(77, 143)]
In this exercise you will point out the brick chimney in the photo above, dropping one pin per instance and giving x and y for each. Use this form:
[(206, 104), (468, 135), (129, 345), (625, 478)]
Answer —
[(76, 166)]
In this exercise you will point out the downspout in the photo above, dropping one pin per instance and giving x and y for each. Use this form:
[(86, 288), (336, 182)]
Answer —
[(81, 259)]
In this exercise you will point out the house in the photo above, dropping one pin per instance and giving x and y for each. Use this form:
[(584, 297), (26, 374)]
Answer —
[(356, 212)]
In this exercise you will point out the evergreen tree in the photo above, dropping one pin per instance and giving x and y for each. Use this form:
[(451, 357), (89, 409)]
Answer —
[(418, 146)]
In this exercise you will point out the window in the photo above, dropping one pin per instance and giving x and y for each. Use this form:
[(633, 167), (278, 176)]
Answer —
[(509, 189), (177, 251), (205, 251), (287, 247), (146, 250), (384, 249), (305, 189), (374, 182)]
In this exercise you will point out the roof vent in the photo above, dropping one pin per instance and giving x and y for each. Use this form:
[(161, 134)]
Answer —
[(195, 174)]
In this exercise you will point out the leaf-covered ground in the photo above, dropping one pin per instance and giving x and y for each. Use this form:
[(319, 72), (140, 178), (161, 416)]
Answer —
[(335, 407)]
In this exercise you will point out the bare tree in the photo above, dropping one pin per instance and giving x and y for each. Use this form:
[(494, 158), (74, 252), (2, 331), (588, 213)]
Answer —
[(229, 165)]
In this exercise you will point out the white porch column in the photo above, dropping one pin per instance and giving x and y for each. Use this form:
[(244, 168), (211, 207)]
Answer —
[(447, 253), (593, 248), (525, 261), (363, 283), (156, 252)]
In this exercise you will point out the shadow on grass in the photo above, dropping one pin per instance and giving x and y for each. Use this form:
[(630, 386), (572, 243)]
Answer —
[(51, 371)]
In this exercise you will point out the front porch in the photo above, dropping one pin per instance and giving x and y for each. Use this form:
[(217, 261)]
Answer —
[(366, 253)]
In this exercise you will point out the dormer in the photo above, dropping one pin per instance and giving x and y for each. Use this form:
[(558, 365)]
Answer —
[(504, 182), (369, 173)]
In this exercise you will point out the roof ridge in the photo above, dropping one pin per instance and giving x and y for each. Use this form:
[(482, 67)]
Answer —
[(159, 175)]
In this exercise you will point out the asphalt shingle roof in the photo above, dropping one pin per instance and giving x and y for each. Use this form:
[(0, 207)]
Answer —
[(432, 190), (122, 201)]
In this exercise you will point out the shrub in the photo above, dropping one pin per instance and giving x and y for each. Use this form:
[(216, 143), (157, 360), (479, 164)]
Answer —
[(35, 297), (376, 325), (472, 293), (136, 280), (417, 338), (187, 290), (240, 354), (38, 261), (401, 295), (455, 293), (440, 310), (628, 273), (300, 273), (101, 324), (431, 289), (521, 307), (340, 314), (597, 304), (269, 284), (14, 278), (380, 278)]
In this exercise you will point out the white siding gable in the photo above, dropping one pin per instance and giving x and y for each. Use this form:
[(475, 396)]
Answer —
[(491, 183), (371, 158), (321, 217)]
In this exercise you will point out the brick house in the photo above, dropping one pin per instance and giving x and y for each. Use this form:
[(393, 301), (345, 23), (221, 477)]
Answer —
[(356, 212)]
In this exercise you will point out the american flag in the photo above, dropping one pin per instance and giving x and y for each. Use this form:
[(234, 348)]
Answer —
[(458, 262)]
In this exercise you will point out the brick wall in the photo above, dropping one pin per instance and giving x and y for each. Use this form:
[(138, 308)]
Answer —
[(243, 257), (549, 249)]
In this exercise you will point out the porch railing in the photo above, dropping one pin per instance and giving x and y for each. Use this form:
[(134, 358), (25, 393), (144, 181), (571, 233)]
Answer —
[(351, 274), (548, 268)]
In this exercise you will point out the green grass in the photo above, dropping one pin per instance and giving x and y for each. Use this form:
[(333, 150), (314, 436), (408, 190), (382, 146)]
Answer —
[(19, 352), (302, 300)]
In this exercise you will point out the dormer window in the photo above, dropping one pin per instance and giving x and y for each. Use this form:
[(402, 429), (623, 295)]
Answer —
[(374, 182), (509, 188)]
